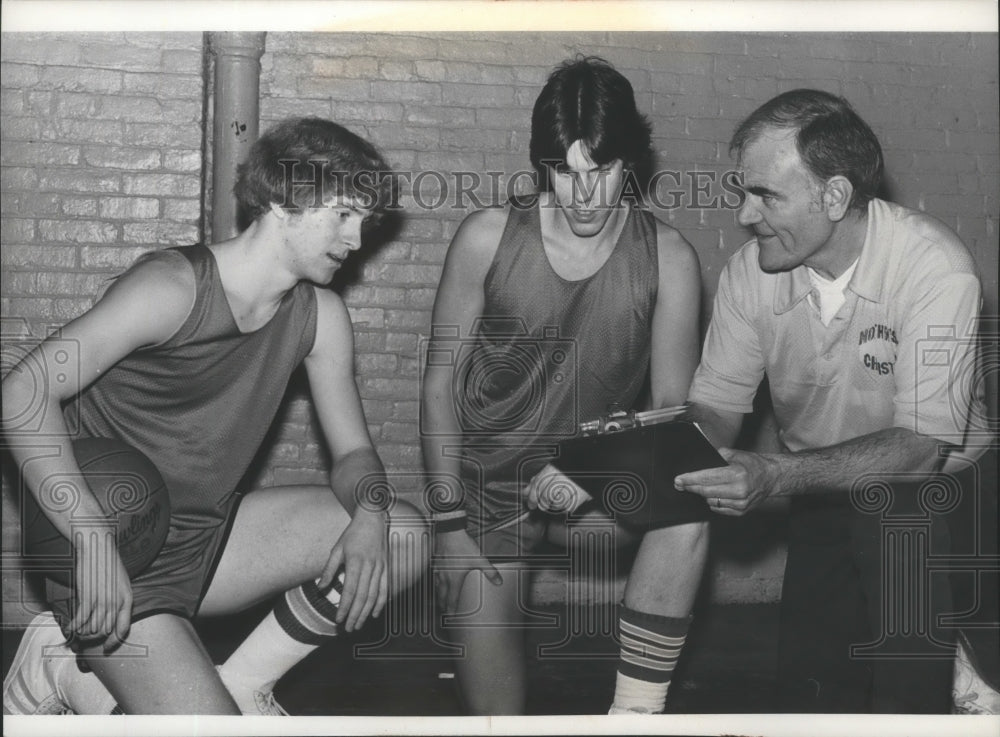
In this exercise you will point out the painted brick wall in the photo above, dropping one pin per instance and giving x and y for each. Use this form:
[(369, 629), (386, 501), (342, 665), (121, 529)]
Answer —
[(102, 141), (101, 161)]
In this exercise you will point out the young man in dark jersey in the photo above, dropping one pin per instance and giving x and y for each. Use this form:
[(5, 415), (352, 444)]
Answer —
[(577, 272), (186, 357)]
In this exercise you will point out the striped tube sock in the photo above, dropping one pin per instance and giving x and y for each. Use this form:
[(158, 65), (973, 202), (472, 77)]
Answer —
[(303, 619), (651, 645), (308, 614)]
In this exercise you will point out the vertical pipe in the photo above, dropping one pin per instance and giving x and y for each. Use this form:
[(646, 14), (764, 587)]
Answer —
[(236, 119)]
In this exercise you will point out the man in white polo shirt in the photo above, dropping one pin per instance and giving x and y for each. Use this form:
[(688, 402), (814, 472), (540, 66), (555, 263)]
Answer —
[(835, 300)]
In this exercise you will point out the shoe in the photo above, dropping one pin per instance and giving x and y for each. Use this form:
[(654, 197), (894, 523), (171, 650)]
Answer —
[(264, 703), (621, 710), (970, 694), (267, 706), (30, 686)]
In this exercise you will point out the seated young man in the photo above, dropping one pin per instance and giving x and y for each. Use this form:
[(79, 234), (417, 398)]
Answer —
[(186, 357), (576, 265)]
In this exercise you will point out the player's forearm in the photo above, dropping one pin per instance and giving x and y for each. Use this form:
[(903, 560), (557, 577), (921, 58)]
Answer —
[(357, 480), (721, 428), (837, 467), (43, 465), (440, 441)]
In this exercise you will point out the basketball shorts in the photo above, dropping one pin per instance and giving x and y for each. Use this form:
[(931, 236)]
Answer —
[(493, 505), (175, 582)]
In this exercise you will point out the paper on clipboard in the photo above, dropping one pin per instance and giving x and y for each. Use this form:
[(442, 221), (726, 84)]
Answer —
[(630, 472)]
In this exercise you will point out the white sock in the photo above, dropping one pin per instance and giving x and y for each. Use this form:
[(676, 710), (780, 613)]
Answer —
[(651, 644), (302, 620), (633, 696)]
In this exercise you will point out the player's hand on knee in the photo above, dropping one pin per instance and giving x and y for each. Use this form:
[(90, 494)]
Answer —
[(552, 491), (735, 489), (362, 551), (122, 624), (103, 610), (456, 554)]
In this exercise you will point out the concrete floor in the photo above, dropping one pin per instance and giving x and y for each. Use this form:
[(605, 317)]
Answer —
[(727, 666)]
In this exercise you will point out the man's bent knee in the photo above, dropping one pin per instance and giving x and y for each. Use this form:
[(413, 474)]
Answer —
[(683, 539), (667, 571), (174, 674)]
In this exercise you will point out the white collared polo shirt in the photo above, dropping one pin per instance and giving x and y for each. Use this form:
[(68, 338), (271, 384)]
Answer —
[(897, 353)]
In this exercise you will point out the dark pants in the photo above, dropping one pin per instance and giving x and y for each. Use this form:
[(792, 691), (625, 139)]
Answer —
[(976, 588), (859, 609)]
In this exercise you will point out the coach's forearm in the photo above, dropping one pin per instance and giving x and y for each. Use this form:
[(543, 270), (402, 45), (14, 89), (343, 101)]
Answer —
[(837, 467)]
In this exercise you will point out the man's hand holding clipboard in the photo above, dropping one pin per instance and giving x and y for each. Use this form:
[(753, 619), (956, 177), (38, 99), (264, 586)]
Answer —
[(627, 463)]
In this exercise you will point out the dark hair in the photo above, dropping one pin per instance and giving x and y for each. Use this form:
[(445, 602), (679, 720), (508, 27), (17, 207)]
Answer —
[(832, 139), (586, 99), (300, 161)]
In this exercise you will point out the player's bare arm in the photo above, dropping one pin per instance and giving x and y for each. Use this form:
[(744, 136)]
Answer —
[(675, 336), (458, 303), (720, 426), (119, 323), (362, 549)]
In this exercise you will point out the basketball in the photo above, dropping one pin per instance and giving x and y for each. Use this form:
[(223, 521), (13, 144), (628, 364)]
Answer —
[(129, 489)]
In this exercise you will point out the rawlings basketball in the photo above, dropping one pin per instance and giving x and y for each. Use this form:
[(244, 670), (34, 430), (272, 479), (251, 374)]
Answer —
[(129, 489)]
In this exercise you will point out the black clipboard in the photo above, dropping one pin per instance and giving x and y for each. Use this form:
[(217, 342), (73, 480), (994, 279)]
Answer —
[(630, 473)]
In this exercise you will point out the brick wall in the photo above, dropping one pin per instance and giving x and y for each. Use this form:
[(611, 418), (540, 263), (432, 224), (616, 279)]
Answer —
[(101, 161), (102, 142), (102, 139)]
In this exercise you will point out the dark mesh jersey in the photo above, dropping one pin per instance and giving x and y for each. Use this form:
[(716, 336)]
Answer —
[(200, 403), (550, 353)]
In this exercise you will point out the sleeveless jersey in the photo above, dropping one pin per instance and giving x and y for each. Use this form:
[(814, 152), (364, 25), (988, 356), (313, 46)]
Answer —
[(200, 403), (548, 352)]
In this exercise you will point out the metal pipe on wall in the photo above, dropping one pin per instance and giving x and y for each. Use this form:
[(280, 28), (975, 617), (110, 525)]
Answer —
[(236, 119)]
